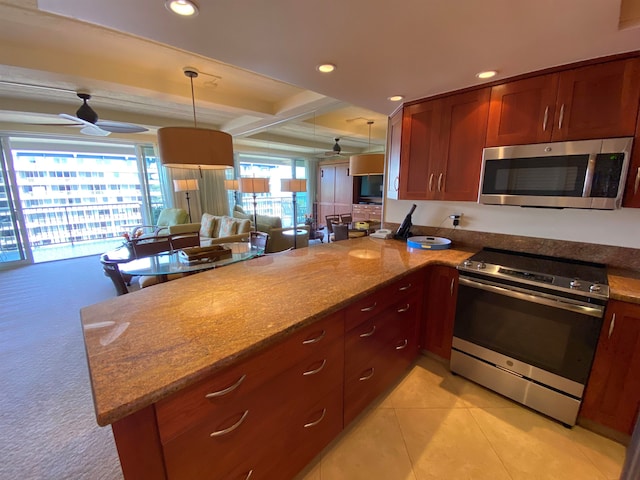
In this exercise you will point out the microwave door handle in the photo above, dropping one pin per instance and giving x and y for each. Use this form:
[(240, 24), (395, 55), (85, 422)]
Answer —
[(588, 177)]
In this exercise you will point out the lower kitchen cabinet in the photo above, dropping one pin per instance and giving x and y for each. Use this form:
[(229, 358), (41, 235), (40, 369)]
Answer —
[(440, 310), (612, 397), (381, 341)]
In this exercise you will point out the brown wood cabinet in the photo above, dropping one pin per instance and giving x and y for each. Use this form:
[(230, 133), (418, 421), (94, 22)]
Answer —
[(612, 397), (365, 213), (440, 310), (381, 341), (632, 190), (595, 101), (335, 190), (441, 148)]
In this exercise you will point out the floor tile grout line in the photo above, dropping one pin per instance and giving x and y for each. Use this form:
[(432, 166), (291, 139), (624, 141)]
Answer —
[(404, 441), (484, 434)]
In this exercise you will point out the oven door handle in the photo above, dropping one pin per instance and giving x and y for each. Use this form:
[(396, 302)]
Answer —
[(555, 302)]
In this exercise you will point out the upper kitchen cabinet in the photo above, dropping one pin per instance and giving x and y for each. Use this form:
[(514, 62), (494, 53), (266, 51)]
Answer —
[(394, 140), (632, 189), (441, 148), (595, 101), (335, 190)]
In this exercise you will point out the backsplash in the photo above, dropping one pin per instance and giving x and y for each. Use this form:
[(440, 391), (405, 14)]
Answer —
[(616, 257)]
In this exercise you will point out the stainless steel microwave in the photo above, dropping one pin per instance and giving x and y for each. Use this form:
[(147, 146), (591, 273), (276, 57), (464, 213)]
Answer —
[(578, 174)]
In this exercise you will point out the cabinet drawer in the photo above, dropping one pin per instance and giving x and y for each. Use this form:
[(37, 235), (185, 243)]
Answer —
[(187, 408), (366, 308)]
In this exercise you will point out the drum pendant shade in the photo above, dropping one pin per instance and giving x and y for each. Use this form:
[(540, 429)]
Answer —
[(366, 164), (197, 148)]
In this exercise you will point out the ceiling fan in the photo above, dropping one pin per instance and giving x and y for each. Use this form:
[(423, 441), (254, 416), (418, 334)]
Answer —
[(88, 119), (336, 150)]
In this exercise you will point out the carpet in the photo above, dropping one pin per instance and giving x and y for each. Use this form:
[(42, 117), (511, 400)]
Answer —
[(47, 419)]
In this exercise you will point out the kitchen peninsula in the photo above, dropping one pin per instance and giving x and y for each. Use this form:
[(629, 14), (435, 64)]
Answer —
[(164, 360)]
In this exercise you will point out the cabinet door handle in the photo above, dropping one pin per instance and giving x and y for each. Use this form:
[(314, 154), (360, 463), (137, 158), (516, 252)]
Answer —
[(369, 333), (317, 370), (453, 282), (403, 346), (440, 182), (405, 287), (635, 187), (313, 424), (612, 325), (546, 117), (367, 377), (431, 182), (225, 391), (249, 475), (222, 432), (396, 184), (561, 117), (404, 309), (315, 340), (370, 308)]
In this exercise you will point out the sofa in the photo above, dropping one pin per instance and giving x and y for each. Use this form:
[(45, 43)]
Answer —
[(278, 241), (216, 229)]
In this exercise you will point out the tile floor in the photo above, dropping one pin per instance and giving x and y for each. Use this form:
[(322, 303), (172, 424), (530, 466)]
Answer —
[(434, 425)]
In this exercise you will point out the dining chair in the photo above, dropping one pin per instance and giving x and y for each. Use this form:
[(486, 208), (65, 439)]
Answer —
[(112, 271), (340, 232), (145, 247), (184, 240), (346, 218), (331, 221), (259, 240)]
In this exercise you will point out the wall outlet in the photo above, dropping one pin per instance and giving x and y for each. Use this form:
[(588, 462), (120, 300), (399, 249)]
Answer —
[(456, 218)]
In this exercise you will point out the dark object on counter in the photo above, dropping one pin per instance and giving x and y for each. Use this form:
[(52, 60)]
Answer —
[(404, 231)]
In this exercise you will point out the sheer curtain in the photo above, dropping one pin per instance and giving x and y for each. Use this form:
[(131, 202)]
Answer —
[(210, 198)]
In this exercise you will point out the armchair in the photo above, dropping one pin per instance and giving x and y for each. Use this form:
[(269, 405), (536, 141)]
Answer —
[(168, 217)]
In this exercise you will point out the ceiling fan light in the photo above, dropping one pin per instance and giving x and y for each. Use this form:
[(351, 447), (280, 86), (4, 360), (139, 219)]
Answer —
[(185, 8)]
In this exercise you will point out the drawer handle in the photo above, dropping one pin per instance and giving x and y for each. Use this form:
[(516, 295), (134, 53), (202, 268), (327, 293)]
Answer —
[(403, 346), (220, 433), (367, 377), (406, 287), (222, 393), (249, 475), (315, 340), (404, 309), (612, 325), (313, 372), (369, 333), (368, 309), (313, 424)]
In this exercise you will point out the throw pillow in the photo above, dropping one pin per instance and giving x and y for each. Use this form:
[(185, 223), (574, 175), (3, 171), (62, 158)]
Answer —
[(207, 225), (228, 227)]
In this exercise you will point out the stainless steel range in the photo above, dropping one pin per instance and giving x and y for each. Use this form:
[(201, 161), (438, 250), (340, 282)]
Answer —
[(527, 326)]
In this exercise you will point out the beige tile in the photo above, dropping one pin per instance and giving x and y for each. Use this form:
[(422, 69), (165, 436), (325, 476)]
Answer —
[(448, 444), (311, 471), (373, 449), (532, 446), (426, 386), (605, 454)]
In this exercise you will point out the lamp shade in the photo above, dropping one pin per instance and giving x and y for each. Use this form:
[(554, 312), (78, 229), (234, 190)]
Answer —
[(254, 185), (231, 185), (185, 185), (293, 185), (189, 147), (366, 164)]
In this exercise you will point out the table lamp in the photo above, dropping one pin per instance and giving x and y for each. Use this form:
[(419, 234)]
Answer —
[(294, 185), (232, 185), (254, 185), (186, 185)]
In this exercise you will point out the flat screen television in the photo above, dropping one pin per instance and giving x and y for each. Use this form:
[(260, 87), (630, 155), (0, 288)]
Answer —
[(371, 187)]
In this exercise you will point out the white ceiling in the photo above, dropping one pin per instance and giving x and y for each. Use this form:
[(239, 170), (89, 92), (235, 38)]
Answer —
[(257, 60)]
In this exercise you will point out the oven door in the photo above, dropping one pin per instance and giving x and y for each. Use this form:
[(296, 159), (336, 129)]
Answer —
[(552, 334)]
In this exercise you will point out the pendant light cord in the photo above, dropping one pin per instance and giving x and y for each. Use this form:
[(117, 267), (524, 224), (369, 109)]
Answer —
[(193, 103)]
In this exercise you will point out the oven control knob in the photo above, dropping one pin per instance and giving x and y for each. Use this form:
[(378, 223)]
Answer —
[(467, 263), (575, 284), (595, 288), (482, 265)]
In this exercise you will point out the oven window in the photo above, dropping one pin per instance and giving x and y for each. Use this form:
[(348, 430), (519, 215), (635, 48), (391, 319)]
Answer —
[(553, 339), (539, 176)]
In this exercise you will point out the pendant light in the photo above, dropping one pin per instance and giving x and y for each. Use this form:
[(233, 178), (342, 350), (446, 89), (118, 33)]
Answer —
[(193, 147), (367, 163)]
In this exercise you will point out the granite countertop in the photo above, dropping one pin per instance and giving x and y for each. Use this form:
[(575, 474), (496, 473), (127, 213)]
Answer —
[(146, 345)]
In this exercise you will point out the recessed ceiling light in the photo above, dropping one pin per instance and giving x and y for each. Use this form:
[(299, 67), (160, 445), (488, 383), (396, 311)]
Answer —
[(395, 98), (326, 67), (487, 74), (186, 8)]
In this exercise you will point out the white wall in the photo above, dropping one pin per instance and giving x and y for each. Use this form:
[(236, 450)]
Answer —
[(611, 227)]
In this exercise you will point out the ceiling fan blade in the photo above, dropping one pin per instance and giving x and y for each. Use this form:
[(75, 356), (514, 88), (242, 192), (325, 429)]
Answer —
[(120, 127), (89, 128)]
